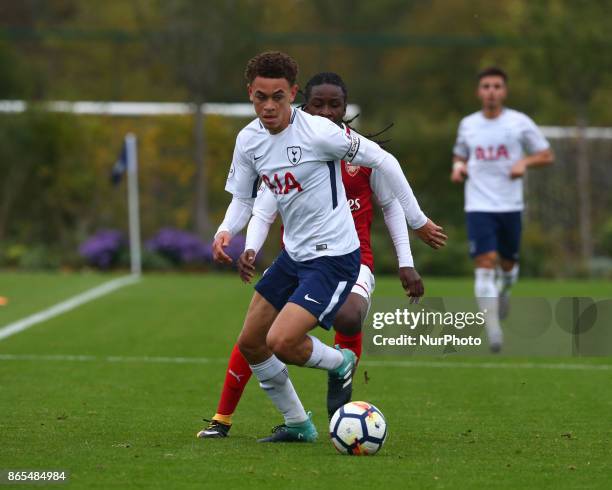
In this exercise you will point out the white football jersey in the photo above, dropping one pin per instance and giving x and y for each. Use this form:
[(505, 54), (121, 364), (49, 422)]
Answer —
[(491, 147), (300, 165)]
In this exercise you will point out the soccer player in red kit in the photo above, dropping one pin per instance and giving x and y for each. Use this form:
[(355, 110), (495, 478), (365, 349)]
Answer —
[(326, 96)]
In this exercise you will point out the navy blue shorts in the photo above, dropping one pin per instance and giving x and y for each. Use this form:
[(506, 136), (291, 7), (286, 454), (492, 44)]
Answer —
[(494, 232), (319, 285)]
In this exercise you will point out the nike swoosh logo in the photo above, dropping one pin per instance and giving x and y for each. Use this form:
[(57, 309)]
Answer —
[(257, 158), (308, 298)]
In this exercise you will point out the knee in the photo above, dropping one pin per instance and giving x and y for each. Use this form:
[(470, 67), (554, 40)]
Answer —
[(248, 347), (281, 345), (348, 322), (486, 260)]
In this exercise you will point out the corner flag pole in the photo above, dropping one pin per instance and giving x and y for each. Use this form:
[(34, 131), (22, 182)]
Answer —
[(133, 203)]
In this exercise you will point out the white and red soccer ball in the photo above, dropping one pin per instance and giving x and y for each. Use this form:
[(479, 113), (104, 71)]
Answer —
[(358, 429)]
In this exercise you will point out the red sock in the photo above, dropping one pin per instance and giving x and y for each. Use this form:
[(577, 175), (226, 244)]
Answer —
[(352, 342), (236, 378)]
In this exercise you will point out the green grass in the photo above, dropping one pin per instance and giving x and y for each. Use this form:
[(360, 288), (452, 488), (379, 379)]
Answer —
[(131, 424)]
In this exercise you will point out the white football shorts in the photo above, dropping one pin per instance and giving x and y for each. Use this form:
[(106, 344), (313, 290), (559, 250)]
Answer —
[(365, 284)]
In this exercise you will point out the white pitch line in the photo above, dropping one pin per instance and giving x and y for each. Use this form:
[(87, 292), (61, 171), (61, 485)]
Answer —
[(222, 360), (64, 306), (489, 365)]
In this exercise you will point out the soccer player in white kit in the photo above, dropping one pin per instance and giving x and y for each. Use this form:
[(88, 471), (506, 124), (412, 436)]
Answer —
[(494, 148), (297, 156)]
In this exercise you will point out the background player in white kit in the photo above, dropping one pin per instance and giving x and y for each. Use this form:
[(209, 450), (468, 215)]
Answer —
[(297, 156), (495, 146)]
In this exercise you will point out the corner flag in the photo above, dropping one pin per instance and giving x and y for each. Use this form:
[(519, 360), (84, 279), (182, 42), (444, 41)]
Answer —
[(128, 162), (120, 166)]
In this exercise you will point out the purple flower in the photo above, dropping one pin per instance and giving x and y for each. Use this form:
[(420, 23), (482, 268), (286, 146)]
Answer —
[(180, 246), (102, 249)]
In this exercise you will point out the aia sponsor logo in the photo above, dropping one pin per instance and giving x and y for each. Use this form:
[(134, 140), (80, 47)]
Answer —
[(280, 185), (492, 153)]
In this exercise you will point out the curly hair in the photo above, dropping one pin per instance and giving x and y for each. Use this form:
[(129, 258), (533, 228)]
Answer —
[(272, 64)]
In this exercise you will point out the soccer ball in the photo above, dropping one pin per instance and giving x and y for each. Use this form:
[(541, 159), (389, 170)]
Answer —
[(358, 428)]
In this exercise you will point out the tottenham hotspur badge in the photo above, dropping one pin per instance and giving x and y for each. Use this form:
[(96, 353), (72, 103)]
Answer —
[(294, 154)]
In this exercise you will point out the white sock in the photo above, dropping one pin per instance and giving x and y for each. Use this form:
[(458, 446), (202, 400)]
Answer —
[(323, 356), (487, 296), (508, 279), (274, 379)]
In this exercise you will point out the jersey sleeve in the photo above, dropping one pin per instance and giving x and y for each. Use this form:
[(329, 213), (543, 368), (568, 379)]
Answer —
[(461, 148), (265, 206), (532, 138), (242, 180), (381, 191), (396, 224), (237, 215), (333, 143), (385, 197)]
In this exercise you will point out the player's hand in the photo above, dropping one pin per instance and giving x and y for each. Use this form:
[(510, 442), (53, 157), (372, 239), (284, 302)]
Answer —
[(459, 172), (518, 169), (412, 283), (246, 267), (222, 240), (432, 234)]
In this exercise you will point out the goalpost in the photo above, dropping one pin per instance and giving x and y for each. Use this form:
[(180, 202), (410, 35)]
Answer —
[(573, 198), (144, 108)]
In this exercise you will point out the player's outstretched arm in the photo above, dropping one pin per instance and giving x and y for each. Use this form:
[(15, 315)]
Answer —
[(372, 155), (334, 144), (429, 232)]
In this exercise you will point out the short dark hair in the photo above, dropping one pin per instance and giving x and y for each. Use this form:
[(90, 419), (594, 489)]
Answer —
[(326, 77), (493, 71), (272, 64)]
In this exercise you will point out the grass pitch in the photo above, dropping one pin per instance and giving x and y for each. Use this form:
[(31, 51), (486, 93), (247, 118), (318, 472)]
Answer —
[(115, 390)]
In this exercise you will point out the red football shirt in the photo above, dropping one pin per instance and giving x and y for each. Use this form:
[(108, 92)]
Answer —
[(356, 182)]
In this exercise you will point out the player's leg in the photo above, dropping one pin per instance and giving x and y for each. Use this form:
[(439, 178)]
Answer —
[(259, 317), (482, 235), (324, 286), (236, 378), (348, 325), (272, 292), (349, 320), (509, 245), (272, 373)]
